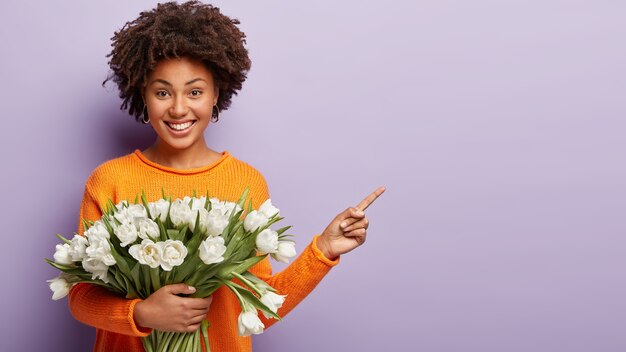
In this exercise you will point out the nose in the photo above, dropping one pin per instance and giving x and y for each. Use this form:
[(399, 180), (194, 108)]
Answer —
[(179, 107)]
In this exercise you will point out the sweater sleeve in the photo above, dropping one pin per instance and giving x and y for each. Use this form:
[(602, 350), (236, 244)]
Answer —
[(94, 305), (299, 278)]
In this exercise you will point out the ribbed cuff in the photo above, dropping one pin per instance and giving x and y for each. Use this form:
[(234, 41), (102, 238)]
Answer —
[(319, 255), (137, 330)]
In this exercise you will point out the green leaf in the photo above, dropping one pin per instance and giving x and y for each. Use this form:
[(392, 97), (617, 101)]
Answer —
[(135, 272), (227, 231), (193, 245), (207, 204), (232, 227), (129, 287), (65, 240), (259, 305), (206, 289), (145, 203), (107, 225), (258, 282), (145, 276), (242, 200), (136, 278), (110, 206), (62, 267), (155, 279), (86, 224), (210, 270), (121, 262), (116, 278), (248, 263), (282, 229), (162, 231), (168, 219), (243, 245), (165, 276), (202, 273), (254, 300), (273, 220), (196, 231), (187, 268), (173, 234), (233, 242), (225, 271)]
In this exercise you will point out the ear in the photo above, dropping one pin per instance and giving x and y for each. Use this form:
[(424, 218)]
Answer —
[(216, 95)]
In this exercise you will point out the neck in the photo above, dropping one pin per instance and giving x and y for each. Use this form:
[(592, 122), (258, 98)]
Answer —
[(195, 156)]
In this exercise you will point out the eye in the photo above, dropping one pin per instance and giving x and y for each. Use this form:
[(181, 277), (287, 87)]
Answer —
[(195, 93), (162, 93)]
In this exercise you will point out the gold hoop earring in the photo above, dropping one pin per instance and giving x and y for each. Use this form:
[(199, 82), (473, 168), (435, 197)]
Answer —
[(215, 114), (145, 114)]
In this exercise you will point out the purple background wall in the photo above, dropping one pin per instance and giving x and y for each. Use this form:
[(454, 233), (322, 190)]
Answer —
[(497, 126)]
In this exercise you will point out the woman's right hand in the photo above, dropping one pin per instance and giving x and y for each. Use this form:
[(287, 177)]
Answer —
[(164, 310)]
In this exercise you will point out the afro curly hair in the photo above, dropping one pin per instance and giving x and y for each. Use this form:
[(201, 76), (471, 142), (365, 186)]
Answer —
[(171, 30)]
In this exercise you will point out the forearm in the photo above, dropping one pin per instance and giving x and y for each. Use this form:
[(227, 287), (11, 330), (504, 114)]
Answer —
[(96, 306)]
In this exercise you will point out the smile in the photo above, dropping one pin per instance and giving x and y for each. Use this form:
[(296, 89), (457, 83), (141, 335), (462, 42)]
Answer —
[(180, 126)]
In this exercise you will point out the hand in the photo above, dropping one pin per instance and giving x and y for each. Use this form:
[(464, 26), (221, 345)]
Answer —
[(165, 311), (348, 229)]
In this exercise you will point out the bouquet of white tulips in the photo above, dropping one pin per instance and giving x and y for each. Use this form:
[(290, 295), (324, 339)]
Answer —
[(135, 249)]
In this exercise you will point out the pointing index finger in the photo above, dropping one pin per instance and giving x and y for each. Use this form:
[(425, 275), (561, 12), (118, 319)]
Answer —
[(370, 199)]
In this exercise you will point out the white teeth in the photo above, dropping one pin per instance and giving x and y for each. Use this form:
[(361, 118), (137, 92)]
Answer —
[(180, 126)]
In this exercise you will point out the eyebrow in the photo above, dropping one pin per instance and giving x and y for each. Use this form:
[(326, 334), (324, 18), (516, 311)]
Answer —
[(159, 80)]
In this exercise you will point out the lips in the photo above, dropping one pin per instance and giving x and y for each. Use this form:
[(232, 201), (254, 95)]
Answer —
[(180, 126)]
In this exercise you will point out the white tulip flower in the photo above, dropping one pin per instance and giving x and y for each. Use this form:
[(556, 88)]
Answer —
[(267, 241), (62, 254), (78, 246), (286, 250), (254, 220), (249, 323), (59, 286), (273, 301), (173, 254), (212, 250), (147, 253), (268, 209), (147, 229)]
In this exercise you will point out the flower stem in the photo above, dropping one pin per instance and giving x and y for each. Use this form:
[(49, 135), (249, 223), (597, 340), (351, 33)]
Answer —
[(248, 283), (204, 329), (242, 301), (165, 342), (147, 343), (178, 340), (193, 342)]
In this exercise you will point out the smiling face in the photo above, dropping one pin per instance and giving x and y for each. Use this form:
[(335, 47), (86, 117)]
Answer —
[(179, 97)]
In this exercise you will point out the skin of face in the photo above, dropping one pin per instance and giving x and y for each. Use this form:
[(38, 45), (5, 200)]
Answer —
[(180, 90)]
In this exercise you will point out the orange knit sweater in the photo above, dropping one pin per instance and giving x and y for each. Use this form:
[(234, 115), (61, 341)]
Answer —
[(124, 178)]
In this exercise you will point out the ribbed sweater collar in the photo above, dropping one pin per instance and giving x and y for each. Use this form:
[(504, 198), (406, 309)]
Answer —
[(170, 170)]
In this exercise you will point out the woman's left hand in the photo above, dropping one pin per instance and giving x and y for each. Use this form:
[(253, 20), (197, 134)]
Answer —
[(348, 229)]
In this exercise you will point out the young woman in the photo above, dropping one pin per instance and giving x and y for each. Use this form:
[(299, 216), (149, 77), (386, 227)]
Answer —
[(177, 66)]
